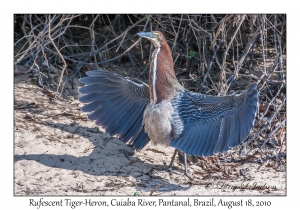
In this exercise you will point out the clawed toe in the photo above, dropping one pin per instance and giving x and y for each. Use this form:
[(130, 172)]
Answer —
[(188, 176)]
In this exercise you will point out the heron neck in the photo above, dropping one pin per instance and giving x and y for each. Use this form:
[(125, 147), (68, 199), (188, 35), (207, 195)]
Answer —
[(162, 79)]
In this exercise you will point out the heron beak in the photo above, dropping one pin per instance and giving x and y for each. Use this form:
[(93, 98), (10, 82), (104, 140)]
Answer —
[(147, 35)]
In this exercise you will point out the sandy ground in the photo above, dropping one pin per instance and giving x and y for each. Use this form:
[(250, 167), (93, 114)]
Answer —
[(58, 152)]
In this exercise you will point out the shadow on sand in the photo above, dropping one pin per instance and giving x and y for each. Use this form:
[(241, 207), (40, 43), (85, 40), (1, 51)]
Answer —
[(102, 161)]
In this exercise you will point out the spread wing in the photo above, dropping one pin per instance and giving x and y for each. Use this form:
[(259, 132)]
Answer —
[(117, 104), (215, 123)]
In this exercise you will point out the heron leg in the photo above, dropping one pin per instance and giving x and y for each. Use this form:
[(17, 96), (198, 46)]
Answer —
[(185, 167), (172, 161)]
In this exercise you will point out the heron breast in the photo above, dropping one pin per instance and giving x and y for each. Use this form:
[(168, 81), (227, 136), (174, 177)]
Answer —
[(157, 122)]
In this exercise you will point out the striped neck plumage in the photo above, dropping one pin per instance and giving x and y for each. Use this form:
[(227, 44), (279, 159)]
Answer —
[(153, 76)]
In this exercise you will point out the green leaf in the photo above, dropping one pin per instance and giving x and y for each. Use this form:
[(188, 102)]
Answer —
[(147, 16), (137, 194), (191, 54)]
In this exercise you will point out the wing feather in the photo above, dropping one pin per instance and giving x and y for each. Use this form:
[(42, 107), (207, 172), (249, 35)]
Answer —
[(117, 104), (217, 123)]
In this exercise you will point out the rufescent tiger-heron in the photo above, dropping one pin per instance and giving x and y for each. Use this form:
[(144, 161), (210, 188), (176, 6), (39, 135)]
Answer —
[(165, 112)]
